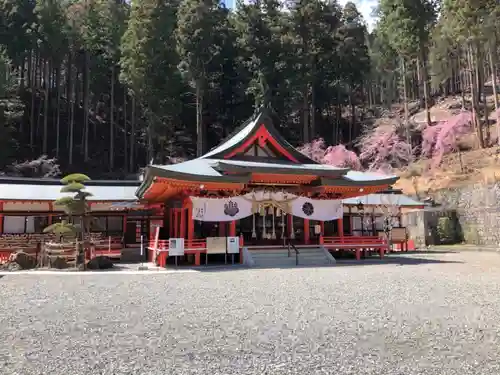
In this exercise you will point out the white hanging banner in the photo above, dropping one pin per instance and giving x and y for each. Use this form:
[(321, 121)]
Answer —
[(317, 209), (236, 208), (221, 209)]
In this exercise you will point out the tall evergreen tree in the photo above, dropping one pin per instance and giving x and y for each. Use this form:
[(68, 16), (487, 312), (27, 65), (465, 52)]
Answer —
[(197, 47), (149, 67), (355, 59), (406, 23), (52, 46)]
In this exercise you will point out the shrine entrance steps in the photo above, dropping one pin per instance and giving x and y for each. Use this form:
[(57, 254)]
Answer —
[(276, 257)]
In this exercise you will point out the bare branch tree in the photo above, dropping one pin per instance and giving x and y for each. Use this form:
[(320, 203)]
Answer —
[(40, 167)]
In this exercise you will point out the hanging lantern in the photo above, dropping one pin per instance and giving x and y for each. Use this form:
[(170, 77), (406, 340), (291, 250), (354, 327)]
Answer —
[(262, 210), (270, 210), (278, 212)]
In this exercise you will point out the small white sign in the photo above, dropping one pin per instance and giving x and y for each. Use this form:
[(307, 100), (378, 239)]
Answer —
[(216, 245), (233, 245), (176, 246)]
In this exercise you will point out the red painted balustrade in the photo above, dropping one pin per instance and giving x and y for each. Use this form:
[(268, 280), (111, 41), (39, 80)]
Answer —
[(356, 244), (31, 244), (110, 247), (158, 254)]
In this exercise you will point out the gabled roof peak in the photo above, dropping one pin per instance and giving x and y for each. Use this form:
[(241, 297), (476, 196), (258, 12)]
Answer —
[(259, 131)]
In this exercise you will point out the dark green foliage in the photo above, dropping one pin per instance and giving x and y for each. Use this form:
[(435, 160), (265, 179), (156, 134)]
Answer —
[(63, 229), (446, 231), (108, 86), (149, 68), (75, 207)]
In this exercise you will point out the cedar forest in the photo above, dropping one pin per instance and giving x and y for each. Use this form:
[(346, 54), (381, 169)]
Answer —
[(105, 87)]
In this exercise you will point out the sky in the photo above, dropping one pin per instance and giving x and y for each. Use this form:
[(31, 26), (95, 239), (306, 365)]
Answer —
[(364, 6)]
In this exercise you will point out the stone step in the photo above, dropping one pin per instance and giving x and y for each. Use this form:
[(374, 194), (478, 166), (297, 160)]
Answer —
[(277, 257), (270, 255)]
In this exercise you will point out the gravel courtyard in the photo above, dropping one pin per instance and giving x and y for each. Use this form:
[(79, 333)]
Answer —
[(428, 314)]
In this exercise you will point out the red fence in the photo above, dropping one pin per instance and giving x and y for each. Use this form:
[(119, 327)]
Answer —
[(356, 244), (159, 254), (110, 247), (31, 244)]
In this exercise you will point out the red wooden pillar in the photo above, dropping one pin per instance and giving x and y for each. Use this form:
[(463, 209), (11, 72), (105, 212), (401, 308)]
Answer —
[(182, 231), (124, 223), (322, 232), (1, 217), (176, 222), (188, 211), (232, 228), (49, 219), (171, 222), (222, 228), (340, 225), (190, 221), (306, 231), (358, 254)]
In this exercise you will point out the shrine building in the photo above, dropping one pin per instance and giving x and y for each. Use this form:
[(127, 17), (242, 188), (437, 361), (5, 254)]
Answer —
[(255, 186), (254, 190)]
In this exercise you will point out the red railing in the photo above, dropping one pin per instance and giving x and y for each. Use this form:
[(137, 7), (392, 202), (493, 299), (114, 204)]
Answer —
[(189, 245), (110, 247), (4, 256), (356, 244), (158, 250), (353, 240)]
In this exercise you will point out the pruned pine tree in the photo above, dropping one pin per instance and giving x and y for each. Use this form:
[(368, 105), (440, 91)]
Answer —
[(77, 210)]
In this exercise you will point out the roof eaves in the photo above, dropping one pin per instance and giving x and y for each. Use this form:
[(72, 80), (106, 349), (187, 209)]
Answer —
[(55, 181), (226, 167), (348, 182), (163, 173)]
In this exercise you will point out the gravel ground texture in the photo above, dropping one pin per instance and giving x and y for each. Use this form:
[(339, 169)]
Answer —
[(419, 314)]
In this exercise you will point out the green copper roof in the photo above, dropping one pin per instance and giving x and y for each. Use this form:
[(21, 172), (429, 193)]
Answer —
[(213, 166), (383, 200), (247, 130)]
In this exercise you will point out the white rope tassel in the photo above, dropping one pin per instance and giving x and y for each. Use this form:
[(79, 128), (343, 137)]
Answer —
[(273, 235), (264, 225), (254, 232), (283, 226), (292, 231)]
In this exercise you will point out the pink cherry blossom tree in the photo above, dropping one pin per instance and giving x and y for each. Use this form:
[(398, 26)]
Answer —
[(444, 137), (384, 147), (314, 150), (337, 156), (340, 156)]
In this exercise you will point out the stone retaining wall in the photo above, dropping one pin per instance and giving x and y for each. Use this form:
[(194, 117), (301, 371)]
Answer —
[(477, 210)]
